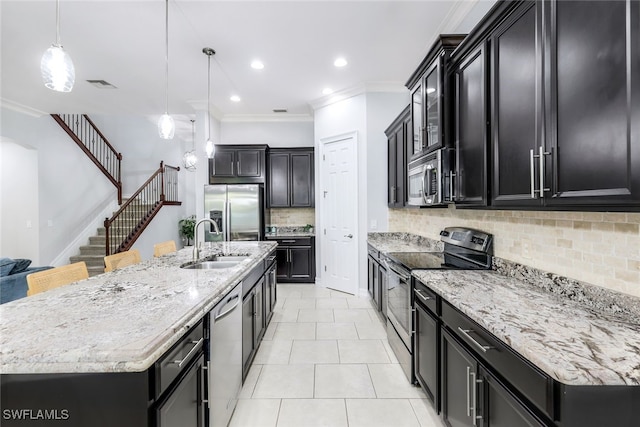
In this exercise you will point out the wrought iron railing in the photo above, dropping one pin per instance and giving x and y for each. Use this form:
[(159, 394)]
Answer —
[(126, 225), (82, 130)]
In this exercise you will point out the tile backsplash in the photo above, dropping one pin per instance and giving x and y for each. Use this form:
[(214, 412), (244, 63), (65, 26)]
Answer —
[(281, 217), (601, 248)]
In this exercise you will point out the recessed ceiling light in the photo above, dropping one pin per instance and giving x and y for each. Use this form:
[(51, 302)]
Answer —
[(340, 62), (257, 65), (235, 98), (327, 91)]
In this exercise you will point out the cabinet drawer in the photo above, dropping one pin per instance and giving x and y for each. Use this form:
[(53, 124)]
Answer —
[(177, 359), (425, 296), (295, 241), (520, 373)]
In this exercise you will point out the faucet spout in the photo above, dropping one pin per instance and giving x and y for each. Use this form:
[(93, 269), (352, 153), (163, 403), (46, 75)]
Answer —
[(196, 249)]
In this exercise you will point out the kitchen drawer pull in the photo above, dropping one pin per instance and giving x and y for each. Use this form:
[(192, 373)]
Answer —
[(465, 333), (196, 347), (288, 241), (421, 295), (271, 258)]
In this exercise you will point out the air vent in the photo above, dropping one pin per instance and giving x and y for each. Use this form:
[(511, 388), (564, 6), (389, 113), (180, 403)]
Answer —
[(102, 84), (279, 110)]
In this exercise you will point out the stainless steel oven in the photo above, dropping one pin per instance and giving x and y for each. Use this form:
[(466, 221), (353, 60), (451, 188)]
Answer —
[(429, 179)]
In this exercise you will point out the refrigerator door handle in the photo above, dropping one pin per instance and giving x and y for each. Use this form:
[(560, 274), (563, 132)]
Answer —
[(227, 232)]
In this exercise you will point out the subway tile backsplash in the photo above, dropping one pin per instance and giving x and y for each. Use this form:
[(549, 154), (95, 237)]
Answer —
[(601, 248), (281, 217)]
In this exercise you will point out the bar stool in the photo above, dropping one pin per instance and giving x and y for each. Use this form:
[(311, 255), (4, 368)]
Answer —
[(56, 277), (121, 259)]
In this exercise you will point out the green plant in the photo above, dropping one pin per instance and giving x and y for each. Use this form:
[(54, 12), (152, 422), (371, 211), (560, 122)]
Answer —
[(186, 227), (308, 227)]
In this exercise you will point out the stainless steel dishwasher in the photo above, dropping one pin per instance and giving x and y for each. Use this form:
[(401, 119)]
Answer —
[(225, 360)]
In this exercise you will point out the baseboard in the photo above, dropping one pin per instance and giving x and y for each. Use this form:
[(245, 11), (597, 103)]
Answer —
[(99, 214)]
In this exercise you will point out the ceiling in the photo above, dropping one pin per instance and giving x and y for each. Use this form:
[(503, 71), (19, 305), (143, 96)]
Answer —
[(123, 42)]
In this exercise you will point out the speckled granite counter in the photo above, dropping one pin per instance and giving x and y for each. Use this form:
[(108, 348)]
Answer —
[(566, 338), (289, 232), (121, 321), (403, 242)]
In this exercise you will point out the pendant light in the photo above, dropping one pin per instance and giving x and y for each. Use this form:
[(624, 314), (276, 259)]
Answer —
[(190, 159), (56, 66), (209, 146), (166, 126)]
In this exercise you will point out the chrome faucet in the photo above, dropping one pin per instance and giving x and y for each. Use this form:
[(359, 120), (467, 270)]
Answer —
[(196, 249)]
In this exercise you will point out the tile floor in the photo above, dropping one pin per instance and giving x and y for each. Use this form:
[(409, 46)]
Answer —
[(325, 361)]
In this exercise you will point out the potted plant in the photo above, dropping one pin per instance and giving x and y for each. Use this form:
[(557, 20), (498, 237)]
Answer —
[(186, 227), (308, 228)]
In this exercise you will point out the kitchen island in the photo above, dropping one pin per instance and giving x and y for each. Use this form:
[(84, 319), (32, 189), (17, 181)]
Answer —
[(103, 337)]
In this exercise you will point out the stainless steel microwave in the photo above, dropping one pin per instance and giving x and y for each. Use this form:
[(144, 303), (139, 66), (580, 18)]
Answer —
[(429, 179)]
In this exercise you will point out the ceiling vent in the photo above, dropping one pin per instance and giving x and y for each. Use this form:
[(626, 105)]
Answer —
[(102, 84), (279, 110)]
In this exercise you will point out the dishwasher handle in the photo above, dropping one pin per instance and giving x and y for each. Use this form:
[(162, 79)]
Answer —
[(229, 310)]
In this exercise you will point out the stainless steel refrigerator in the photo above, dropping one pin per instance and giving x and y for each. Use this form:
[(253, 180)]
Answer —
[(238, 209)]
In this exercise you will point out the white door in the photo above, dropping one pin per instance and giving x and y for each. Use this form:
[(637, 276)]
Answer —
[(339, 200)]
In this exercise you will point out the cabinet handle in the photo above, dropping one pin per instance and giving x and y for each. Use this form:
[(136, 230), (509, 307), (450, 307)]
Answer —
[(466, 332), (468, 393), (195, 348), (421, 295), (542, 154), (474, 399), (393, 194), (288, 241), (451, 195), (533, 177)]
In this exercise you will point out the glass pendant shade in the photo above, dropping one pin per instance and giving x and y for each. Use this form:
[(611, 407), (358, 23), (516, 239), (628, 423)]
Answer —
[(166, 126), (57, 69), (210, 148), (190, 160)]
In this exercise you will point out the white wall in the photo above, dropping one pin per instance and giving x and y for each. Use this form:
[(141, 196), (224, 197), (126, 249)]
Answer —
[(274, 134), (19, 216)]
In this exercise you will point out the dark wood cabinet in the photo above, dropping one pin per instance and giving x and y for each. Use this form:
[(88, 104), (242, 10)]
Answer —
[(397, 134), (234, 164), (516, 106), (459, 390), (430, 101), (254, 323), (470, 182), (296, 260), (426, 346), (291, 178)]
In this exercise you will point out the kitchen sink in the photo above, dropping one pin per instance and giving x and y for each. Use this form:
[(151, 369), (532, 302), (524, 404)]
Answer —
[(215, 262)]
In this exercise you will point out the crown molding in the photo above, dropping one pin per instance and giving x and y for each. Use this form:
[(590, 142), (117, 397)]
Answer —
[(272, 117), (370, 87), (21, 108)]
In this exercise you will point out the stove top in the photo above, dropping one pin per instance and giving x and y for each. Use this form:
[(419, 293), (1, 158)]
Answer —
[(440, 260)]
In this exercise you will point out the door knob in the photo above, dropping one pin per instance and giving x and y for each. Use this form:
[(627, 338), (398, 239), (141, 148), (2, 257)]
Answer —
[(349, 236)]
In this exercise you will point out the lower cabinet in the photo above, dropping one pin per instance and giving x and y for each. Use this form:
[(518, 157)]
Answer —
[(377, 281), (296, 260), (184, 406), (426, 345), (270, 291), (253, 324)]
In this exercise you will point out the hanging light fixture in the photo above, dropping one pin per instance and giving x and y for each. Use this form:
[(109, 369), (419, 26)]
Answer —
[(190, 159), (166, 126), (56, 66), (209, 147)]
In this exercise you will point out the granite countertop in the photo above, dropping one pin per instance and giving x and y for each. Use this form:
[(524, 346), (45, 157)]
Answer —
[(403, 242), (571, 341), (121, 321), (289, 232)]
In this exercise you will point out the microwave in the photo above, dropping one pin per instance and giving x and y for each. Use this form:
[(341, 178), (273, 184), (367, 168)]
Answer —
[(430, 179)]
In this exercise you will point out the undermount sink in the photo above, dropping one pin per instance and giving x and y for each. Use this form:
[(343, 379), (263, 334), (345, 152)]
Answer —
[(215, 262)]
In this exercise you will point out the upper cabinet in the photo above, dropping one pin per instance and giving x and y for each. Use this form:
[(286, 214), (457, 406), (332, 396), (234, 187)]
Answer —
[(398, 144), (430, 110), (234, 164), (553, 90), (291, 178)]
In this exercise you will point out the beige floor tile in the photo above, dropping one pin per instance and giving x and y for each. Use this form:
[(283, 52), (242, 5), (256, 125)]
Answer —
[(315, 315), (285, 381), (312, 413), (359, 302), (295, 331), (250, 381), (314, 351), (256, 413), (343, 381), (339, 294), (425, 412), (336, 331), (285, 315), (380, 413), (389, 381), (362, 351), (300, 303), (331, 303), (316, 292), (371, 330), (275, 352), (351, 314), (271, 330), (288, 293)]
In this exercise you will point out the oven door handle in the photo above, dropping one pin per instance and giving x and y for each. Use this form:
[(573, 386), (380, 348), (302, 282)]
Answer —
[(400, 274)]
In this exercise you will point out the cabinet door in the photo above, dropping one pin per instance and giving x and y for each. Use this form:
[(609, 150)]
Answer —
[(401, 167), (279, 180), (417, 123), (516, 121), (302, 180), (301, 262), (249, 163), (258, 307), (392, 174), (471, 140), (224, 163), (426, 353), (268, 308), (432, 97), (184, 406), (371, 273), (376, 285), (384, 291), (594, 112), (502, 408), (459, 392), (247, 332), (282, 262)]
